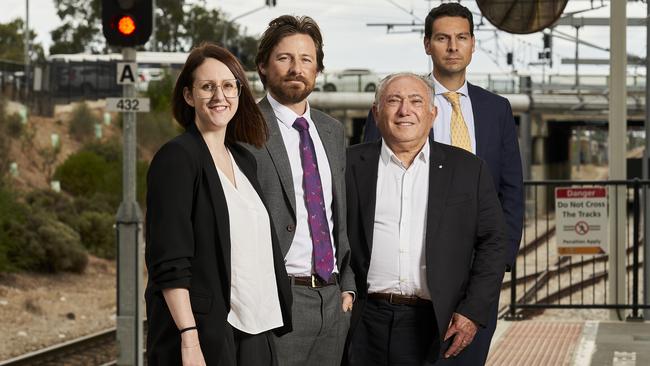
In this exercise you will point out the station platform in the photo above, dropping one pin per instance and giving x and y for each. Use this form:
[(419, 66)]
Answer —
[(579, 343)]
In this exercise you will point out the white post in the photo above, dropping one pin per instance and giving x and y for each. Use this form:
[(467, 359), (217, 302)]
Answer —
[(617, 148)]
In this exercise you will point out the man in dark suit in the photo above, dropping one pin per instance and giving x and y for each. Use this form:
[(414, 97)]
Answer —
[(427, 233), (301, 171), (487, 117)]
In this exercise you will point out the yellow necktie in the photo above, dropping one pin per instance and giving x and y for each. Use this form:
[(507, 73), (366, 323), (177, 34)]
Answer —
[(459, 132)]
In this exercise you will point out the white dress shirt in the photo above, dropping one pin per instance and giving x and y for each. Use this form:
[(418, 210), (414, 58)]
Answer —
[(442, 123), (298, 260), (398, 260), (254, 299)]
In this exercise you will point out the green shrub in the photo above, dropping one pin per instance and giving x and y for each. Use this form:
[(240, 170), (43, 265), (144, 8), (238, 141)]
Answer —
[(82, 123), (111, 150), (58, 204), (4, 142), (31, 239), (160, 93), (97, 233), (84, 174), (59, 245), (141, 181), (13, 217), (4, 154), (93, 172), (3, 114), (155, 128), (99, 202), (14, 125)]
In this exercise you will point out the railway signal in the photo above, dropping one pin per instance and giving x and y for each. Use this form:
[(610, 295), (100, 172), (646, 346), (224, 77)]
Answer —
[(127, 23)]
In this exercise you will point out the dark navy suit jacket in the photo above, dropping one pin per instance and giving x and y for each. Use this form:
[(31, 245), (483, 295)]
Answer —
[(496, 143)]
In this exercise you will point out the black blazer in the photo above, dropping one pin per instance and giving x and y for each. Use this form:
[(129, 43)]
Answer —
[(466, 247), (188, 246), (496, 143)]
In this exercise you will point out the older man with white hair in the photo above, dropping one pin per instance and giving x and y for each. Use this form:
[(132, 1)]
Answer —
[(426, 232)]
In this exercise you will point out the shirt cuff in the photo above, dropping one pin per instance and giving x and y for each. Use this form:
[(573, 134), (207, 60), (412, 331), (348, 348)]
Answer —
[(354, 295)]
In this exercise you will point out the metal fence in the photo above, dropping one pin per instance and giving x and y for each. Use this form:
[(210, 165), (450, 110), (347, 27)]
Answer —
[(545, 279), (12, 81)]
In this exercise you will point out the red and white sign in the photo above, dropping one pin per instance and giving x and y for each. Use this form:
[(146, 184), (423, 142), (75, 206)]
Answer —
[(581, 220)]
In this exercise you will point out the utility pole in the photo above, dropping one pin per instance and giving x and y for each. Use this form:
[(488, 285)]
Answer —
[(577, 58), (154, 41), (617, 148), (226, 23), (26, 44), (646, 173)]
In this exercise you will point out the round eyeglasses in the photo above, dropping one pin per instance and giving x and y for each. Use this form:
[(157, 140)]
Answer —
[(205, 89)]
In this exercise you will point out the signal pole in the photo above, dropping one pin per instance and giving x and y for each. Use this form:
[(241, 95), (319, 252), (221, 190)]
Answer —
[(128, 23), (130, 244)]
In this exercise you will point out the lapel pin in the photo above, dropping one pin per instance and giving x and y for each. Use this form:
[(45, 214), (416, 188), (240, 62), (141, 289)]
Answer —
[(439, 166)]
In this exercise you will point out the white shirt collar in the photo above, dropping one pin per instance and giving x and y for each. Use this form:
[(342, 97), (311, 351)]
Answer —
[(387, 154), (284, 114), (440, 89)]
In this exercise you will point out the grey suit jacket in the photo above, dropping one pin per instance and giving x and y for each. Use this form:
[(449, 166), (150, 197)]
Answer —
[(274, 175)]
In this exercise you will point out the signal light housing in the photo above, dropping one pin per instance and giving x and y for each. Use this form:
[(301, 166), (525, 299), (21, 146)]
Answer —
[(127, 23)]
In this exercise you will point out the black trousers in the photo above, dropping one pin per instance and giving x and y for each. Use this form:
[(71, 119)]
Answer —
[(254, 349), (393, 335)]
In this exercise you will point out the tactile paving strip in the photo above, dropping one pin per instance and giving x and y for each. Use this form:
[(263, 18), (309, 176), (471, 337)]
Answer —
[(537, 343)]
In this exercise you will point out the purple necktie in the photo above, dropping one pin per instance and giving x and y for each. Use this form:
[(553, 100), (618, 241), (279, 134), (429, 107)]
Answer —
[(318, 225)]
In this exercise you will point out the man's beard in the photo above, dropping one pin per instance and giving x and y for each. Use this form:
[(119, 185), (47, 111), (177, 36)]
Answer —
[(287, 95)]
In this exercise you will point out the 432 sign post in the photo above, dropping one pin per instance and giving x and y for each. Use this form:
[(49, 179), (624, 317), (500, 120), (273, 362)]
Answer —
[(126, 75)]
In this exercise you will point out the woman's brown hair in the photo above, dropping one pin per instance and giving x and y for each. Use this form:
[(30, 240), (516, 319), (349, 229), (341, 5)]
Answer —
[(247, 125)]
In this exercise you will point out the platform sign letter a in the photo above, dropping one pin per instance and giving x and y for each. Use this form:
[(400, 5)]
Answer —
[(126, 72)]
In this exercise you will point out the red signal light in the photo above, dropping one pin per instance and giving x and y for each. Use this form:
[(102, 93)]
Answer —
[(126, 25)]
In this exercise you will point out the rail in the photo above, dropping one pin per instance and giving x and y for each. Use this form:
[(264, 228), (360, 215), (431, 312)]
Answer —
[(83, 349)]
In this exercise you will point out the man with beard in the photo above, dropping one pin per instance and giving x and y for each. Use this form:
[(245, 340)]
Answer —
[(301, 171)]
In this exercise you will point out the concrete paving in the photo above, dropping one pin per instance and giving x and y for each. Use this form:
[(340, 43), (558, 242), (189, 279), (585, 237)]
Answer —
[(573, 343), (622, 344)]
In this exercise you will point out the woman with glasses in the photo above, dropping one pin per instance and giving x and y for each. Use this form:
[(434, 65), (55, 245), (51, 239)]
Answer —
[(217, 283)]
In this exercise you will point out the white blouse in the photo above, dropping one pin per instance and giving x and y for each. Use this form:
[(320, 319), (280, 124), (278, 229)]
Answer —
[(254, 300)]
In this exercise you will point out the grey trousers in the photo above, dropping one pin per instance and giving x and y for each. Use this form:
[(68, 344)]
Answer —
[(319, 328)]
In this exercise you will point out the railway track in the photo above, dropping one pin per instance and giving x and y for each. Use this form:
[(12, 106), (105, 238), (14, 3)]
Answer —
[(94, 349), (97, 349), (539, 291)]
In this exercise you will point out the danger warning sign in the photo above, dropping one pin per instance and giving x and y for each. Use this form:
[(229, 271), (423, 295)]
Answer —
[(581, 220)]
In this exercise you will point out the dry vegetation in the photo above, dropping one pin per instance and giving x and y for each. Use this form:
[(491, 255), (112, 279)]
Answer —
[(40, 310)]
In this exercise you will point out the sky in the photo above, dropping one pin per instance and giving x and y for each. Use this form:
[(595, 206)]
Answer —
[(350, 43)]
